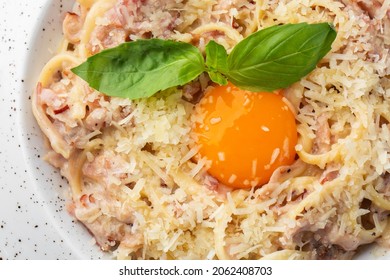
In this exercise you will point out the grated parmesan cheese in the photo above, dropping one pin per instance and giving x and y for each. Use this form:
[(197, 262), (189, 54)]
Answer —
[(134, 182)]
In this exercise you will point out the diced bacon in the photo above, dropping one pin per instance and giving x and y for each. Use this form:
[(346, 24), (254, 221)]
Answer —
[(51, 99), (322, 142), (329, 176), (109, 36), (72, 26), (96, 119), (104, 166), (211, 183), (63, 109), (143, 19), (370, 6), (192, 92)]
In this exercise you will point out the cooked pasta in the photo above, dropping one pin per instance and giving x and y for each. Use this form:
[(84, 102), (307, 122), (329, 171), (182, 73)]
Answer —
[(129, 163)]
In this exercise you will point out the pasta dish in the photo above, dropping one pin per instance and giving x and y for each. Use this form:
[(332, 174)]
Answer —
[(150, 179)]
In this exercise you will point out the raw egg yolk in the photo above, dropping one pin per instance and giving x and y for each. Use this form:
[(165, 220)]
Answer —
[(245, 135)]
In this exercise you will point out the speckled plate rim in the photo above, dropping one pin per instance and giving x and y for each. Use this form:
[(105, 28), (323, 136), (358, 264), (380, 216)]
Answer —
[(60, 236), (25, 230), (46, 180)]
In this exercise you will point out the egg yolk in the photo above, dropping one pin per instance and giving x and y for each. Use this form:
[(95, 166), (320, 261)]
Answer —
[(245, 135)]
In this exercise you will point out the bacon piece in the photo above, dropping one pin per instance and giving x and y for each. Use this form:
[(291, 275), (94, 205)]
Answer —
[(61, 110), (322, 142), (72, 26), (97, 119), (56, 140)]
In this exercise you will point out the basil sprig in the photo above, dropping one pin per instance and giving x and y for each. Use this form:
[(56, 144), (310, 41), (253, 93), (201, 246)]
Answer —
[(267, 60), (216, 62)]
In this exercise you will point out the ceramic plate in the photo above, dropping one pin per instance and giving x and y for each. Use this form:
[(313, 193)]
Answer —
[(34, 223)]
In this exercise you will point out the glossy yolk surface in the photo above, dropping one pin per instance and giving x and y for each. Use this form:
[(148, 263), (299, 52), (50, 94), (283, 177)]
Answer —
[(245, 135)]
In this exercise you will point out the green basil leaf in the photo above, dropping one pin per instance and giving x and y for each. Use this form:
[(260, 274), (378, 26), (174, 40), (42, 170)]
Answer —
[(218, 78), (216, 57), (216, 62), (142, 68), (278, 56)]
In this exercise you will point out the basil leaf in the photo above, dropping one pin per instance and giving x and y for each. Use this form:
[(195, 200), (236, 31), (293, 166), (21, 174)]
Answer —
[(216, 57), (218, 78), (216, 62), (269, 59), (278, 56), (142, 68)]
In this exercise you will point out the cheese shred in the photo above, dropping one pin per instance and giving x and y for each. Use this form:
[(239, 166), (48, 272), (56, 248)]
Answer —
[(130, 165)]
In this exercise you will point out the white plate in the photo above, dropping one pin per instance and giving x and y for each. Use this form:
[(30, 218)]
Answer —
[(34, 223)]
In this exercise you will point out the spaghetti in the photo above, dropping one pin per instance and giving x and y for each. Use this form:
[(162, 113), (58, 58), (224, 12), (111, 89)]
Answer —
[(133, 183)]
